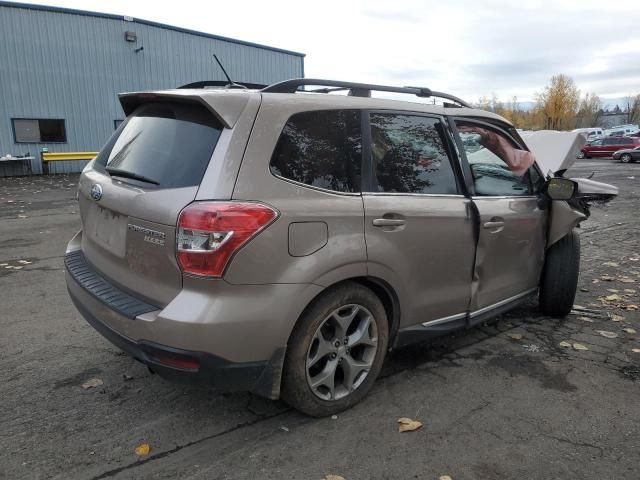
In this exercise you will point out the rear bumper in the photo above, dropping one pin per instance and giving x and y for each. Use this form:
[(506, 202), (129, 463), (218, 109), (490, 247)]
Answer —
[(257, 377), (237, 334)]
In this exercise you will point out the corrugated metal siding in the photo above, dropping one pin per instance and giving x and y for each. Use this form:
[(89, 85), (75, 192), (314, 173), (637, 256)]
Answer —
[(62, 65)]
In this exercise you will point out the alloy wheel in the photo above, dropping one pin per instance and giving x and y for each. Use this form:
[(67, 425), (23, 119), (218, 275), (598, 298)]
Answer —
[(341, 352), (626, 158)]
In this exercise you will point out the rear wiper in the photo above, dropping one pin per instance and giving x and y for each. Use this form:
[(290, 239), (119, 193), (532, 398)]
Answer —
[(134, 176)]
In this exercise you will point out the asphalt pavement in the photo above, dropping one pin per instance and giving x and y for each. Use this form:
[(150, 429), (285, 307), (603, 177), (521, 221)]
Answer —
[(524, 396)]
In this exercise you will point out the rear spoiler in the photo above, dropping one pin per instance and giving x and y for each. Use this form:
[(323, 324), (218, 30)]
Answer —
[(225, 105)]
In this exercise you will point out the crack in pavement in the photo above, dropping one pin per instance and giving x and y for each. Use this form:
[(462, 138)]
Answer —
[(177, 448)]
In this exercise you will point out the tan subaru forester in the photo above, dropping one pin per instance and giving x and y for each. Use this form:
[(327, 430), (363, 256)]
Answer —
[(282, 241)]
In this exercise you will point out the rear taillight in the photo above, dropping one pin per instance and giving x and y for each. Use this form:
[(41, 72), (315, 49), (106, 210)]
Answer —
[(209, 233)]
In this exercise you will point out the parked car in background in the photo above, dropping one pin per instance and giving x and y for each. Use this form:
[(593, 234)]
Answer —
[(590, 133), (627, 155), (620, 130), (606, 147)]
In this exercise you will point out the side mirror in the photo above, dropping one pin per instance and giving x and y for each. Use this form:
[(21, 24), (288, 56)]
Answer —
[(561, 188)]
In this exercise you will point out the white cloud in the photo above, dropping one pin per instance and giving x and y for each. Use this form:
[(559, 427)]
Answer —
[(469, 48)]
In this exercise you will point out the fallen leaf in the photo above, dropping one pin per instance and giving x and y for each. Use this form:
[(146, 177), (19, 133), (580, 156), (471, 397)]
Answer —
[(24, 262), (595, 280), (579, 346), (607, 278), (610, 264), (515, 336), (143, 449), (92, 383), (626, 280), (444, 477), (632, 307), (629, 290), (564, 344), (613, 298), (586, 319), (635, 350), (333, 477), (408, 425), (612, 290), (616, 318), (578, 307), (629, 330), (607, 334)]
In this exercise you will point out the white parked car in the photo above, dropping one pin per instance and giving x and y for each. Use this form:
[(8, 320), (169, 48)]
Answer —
[(590, 133)]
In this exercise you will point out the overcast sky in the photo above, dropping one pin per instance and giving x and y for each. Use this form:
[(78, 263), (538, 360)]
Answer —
[(466, 47)]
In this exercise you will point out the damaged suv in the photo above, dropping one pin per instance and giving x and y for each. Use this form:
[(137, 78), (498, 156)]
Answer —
[(283, 241)]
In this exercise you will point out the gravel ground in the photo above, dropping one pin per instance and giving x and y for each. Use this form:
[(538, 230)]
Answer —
[(504, 400)]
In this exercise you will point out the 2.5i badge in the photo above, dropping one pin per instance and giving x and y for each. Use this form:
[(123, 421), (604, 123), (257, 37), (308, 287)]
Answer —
[(151, 236)]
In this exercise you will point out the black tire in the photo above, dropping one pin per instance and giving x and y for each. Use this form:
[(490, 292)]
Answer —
[(625, 158), (296, 390), (581, 155), (559, 280)]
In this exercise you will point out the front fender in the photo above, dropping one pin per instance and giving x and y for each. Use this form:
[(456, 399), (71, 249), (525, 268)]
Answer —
[(563, 219)]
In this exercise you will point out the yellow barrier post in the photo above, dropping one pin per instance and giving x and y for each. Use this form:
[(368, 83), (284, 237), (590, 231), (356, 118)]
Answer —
[(62, 157)]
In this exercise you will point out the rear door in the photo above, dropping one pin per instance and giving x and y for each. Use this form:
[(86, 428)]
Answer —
[(612, 145), (131, 195), (418, 225), (512, 239)]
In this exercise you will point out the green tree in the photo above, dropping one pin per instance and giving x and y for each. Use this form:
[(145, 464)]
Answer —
[(589, 111)]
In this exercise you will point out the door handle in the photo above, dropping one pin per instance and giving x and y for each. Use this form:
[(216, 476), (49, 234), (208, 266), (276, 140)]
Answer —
[(496, 224), (388, 222)]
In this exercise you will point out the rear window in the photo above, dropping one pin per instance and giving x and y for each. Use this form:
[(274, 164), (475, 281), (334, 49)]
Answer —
[(168, 144), (322, 149)]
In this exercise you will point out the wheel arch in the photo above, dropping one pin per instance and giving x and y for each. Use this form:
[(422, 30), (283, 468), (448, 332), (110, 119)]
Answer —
[(385, 293)]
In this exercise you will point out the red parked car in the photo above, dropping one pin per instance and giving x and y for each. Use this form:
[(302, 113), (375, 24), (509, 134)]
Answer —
[(606, 147)]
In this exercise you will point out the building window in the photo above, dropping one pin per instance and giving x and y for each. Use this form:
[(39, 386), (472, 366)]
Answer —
[(44, 130), (116, 124)]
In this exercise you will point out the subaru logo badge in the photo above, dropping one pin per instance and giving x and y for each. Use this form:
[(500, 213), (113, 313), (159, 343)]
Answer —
[(96, 192)]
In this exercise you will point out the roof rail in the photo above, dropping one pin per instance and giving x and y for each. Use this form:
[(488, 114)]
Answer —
[(356, 89)]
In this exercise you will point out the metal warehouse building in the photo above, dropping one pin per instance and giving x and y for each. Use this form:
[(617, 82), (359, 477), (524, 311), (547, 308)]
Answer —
[(61, 71)]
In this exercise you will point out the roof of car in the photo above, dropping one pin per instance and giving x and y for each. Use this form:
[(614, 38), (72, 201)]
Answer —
[(311, 100)]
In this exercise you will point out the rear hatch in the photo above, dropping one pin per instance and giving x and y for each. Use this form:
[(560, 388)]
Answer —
[(131, 195)]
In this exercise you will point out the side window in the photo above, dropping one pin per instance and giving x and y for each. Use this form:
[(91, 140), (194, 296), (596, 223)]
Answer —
[(610, 141), (627, 141), (322, 149), (409, 155), (499, 167)]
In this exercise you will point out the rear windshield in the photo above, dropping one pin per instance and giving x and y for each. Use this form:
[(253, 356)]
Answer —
[(163, 144)]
